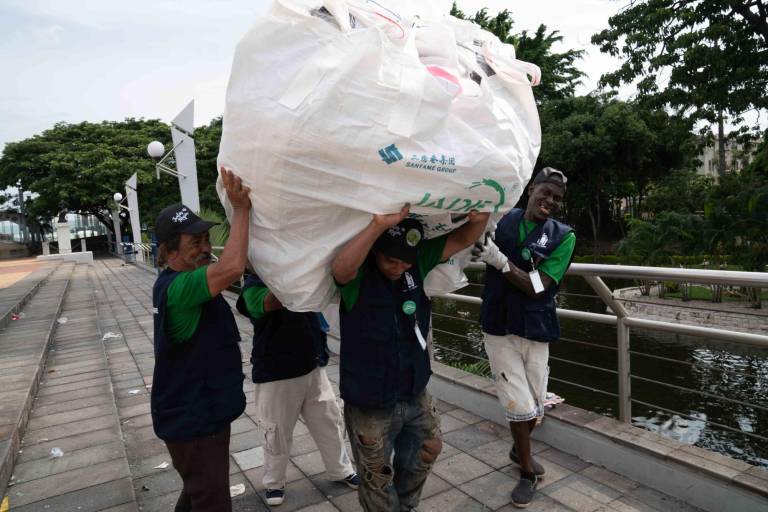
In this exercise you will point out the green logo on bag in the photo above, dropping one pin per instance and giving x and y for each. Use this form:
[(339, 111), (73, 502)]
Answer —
[(390, 154), (466, 205), (409, 307)]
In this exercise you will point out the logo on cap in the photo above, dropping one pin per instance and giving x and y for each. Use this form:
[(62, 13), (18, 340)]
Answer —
[(413, 237), (181, 216)]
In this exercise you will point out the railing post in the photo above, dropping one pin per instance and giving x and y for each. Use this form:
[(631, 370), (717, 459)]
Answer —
[(625, 383)]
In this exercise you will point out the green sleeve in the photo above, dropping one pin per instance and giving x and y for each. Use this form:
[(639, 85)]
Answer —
[(351, 290), (430, 254), (557, 263), (254, 300), (184, 303)]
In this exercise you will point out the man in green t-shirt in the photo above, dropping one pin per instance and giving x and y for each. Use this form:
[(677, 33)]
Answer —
[(526, 260), (197, 386), (392, 424)]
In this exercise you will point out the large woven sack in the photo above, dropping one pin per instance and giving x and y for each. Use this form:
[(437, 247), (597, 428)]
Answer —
[(341, 110)]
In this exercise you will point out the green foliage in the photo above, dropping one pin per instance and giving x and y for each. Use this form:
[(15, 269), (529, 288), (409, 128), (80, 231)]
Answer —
[(207, 139), (218, 234), (482, 368), (699, 56), (609, 149), (681, 191), (737, 218), (602, 259), (80, 166), (559, 74), (657, 243)]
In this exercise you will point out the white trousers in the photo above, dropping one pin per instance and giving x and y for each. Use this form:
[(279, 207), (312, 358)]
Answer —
[(278, 406)]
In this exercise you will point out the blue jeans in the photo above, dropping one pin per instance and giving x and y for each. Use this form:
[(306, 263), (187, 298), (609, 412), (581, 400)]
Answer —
[(394, 450)]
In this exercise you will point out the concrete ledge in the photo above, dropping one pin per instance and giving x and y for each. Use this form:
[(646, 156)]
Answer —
[(77, 257), (697, 476), (12, 432), (18, 294)]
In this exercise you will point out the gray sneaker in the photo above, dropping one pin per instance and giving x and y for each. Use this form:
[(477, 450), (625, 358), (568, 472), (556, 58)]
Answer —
[(537, 468), (522, 494)]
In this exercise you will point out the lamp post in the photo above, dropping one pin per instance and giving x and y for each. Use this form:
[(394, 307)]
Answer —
[(131, 194), (182, 128), (116, 223)]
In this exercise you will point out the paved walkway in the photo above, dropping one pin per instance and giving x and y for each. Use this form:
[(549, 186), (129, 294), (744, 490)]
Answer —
[(12, 271), (94, 406)]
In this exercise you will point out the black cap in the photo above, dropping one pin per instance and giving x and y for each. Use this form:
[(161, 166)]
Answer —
[(401, 241), (550, 175), (178, 218)]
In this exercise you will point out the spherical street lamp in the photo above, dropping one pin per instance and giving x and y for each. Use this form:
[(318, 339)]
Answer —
[(155, 149), (117, 197)]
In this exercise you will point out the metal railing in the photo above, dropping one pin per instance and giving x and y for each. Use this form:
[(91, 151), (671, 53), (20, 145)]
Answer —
[(625, 323)]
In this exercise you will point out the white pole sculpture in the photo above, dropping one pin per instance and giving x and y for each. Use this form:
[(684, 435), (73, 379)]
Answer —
[(133, 209), (182, 128)]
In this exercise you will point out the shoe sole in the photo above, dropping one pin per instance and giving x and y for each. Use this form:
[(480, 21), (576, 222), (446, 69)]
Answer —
[(520, 505), (275, 502)]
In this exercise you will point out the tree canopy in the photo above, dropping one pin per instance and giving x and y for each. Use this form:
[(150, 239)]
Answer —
[(610, 150), (80, 166), (702, 57)]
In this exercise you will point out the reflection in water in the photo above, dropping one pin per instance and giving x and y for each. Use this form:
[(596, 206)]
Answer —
[(726, 386)]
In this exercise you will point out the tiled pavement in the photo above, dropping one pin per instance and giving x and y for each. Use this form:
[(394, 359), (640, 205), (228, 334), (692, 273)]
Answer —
[(97, 392)]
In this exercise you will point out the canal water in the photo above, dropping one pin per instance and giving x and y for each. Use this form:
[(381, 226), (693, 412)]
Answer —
[(729, 383)]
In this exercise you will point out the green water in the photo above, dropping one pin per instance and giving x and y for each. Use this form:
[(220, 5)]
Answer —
[(733, 372)]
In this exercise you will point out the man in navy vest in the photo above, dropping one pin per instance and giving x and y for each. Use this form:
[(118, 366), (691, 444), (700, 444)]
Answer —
[(524, 267), (385, 366), (289, 356), (197, 387)]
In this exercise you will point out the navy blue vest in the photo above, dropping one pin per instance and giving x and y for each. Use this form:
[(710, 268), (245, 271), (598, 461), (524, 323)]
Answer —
[(197, 388), (507, 310), (382, 361), (286, 344)]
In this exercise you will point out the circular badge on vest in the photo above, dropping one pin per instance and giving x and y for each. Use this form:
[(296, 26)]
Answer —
[(409, 307), (413, 237), (526, 253)]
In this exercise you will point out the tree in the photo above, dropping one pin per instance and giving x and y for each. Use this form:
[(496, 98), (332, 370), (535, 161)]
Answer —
[(737, 217), (611, 150), (80, 166), (705, 58), (655, 243), (559, 75), (681, 191)]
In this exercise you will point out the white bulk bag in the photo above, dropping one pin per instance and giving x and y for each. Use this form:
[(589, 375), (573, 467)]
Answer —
[(332, 118)]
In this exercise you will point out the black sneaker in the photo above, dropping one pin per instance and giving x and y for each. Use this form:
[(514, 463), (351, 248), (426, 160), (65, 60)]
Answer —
[(275, 497), (352, 481), (537, 468), (522, 494)]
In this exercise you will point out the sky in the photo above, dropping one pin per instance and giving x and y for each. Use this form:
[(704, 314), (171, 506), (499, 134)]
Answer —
[(94, 60)]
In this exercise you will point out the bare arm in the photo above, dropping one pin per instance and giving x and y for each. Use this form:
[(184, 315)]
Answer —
[(235, 254), (466, 235), (346, 264), (522, 281), (271, 303)]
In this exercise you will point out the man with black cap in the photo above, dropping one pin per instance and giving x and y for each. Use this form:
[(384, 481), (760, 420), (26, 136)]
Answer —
[(525, 261), (385, 366), (197, 387)]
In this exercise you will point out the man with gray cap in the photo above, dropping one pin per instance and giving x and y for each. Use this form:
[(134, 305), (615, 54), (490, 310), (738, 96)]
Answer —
[(385, 366), (197, 387), (525, 261)]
